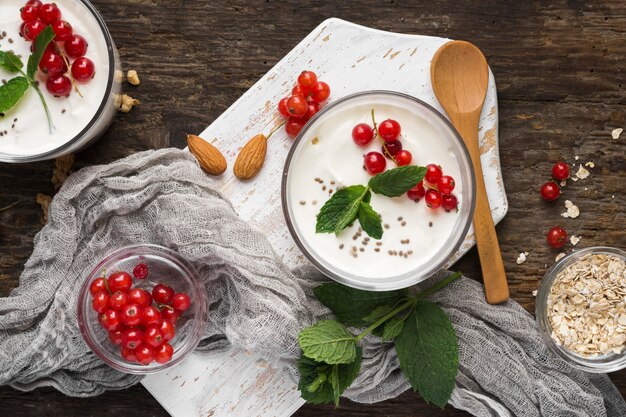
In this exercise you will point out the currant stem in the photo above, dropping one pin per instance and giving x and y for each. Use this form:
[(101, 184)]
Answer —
[(45, 106), (275, 129), (73, 81), (393, 158), (410, 302)]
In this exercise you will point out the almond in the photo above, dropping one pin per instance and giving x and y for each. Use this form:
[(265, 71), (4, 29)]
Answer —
[(251, 158), (209, 157)]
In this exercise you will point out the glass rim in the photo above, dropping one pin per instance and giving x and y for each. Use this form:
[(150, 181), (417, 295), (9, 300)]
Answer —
[(610, 362), (409, 278), (11, 158)]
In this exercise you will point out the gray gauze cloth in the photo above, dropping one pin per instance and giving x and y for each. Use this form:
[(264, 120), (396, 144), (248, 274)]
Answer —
[(257, 303)]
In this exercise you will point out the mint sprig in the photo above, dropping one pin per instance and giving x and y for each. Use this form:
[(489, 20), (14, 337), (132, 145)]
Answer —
[(424, 339), (352, 203), (15, 88)]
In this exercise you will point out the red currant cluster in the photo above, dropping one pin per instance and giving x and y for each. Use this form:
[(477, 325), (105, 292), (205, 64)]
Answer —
[(440, 187), (304, 101), (67, 45), (143, 330), (550, 191)]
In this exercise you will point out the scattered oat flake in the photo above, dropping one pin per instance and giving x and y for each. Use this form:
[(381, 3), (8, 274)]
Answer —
[(616, 132), (563, 183), (572, 210), (44, 201), (559, 256), (574, 239), (577, 157), (133, 77), (590, 164), (534, 293), (127, 103), (521, 258), (582, 172)]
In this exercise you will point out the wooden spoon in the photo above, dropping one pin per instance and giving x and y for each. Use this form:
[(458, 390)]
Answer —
[(460, 74)]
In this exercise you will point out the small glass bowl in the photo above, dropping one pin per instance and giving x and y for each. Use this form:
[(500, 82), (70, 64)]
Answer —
[(610, 362), (164, 266), (447, 137)]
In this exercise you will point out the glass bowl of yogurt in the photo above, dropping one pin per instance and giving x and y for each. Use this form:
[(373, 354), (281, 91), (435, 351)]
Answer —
[(417, 241), (77, 121)]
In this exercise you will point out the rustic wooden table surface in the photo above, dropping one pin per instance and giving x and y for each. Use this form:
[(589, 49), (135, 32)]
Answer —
[(559, 67)]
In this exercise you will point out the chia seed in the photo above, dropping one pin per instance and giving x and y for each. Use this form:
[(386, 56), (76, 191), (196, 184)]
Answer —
[(302, 202), (379, 243), (341, 246), (430, 224), (323, 188), (403, 224), (376, 249), (386, 226), (400, 218), (314, 202), (362, 250)]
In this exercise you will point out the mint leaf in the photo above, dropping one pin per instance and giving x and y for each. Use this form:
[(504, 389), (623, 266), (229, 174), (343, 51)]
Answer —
[(340, 210), (350, 305), (370, 221), (12, 92), (428, 352), (312, 371), (41, 42), (10, 62), (397, 181), (393, 327), (378, 313), (328, 341)]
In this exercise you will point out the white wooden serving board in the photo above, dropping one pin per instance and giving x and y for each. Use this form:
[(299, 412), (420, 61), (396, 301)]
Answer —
[(350, 58)]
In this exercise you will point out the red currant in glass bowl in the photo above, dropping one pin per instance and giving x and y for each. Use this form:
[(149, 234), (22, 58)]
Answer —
[(143, 335)]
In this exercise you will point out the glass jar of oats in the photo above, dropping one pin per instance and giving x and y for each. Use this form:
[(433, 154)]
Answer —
[(581, 309)]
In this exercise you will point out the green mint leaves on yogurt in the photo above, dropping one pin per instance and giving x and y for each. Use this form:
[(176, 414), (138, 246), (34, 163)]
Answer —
[(15, 88), (351, 203), (422, 334)]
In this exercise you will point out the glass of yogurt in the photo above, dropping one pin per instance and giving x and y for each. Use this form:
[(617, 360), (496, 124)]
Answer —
[(417, 240), (77, 121)]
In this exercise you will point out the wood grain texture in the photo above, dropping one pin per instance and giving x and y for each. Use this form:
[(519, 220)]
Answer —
[(559, 67)]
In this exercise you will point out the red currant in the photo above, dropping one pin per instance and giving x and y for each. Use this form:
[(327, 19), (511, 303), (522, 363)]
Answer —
[(433, 174), (29, 12), (131, 315), (297, 90), (120, 281), (312, 110), (141, 270), (151, 316), (110, 319), (131, 338), (36, 3), (31, 29), (49, 13), (62, 30), (557, 237), (449, 202), (140, 297), (560, 171), (403, 158), (153, 336), (433, 199), (297, 106), (282, 106), (168, 330), (170, 314), (144, 354), (118, 300), (59, 85), (128, 354), (389, 130), (550, 191), (362, 134), (417, 193), (375, 162), (294, 125), (115, 336), (391, 149), (181, 301), (52, 64), (97, 285), (320, 91), (446, 184), (162, 294), (163, 353), (75, 46), (100, 302), (307, 80)]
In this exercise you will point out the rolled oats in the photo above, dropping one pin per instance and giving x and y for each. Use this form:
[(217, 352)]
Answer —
[(586, 305)]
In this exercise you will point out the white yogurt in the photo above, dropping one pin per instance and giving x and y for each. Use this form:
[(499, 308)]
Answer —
[(338, 162), (83, 118)]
